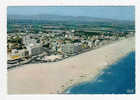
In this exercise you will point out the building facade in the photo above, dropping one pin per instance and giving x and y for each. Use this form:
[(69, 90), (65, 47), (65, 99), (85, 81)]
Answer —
[(71, 48)]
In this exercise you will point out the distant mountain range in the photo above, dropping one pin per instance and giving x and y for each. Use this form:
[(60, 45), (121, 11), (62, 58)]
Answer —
[(43, 17)]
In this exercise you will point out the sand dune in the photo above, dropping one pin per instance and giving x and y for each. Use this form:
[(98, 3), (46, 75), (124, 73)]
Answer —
[(55, 77)]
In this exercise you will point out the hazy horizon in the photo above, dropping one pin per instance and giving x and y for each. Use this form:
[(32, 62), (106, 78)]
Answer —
[(108, 12)]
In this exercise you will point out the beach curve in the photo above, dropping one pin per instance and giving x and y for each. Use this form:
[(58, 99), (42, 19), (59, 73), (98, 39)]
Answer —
[(52, 78)]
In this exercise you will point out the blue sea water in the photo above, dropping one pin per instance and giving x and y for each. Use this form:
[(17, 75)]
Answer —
[(119, 78)]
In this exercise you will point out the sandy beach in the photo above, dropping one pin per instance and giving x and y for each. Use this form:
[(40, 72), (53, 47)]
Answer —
[(53, 78)]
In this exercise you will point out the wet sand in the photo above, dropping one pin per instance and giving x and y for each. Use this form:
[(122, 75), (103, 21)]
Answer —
[(53, 78)]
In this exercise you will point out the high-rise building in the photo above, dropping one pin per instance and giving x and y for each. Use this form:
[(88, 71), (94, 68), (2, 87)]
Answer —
[(70, 48)]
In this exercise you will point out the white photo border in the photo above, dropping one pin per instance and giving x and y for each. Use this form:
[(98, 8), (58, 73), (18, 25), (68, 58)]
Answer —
[(3, 46)]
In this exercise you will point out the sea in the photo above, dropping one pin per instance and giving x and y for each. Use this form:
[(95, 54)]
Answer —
[(118, 78)]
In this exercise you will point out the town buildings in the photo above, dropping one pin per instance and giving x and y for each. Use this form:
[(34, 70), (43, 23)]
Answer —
[(52, 44)]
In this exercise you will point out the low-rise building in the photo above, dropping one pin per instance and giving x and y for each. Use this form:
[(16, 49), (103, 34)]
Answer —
[(19, 54)]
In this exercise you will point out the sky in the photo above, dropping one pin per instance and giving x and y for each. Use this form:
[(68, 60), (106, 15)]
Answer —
[(112, 12)]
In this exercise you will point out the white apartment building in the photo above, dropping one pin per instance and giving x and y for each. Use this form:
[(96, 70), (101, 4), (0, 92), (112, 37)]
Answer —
[(32, 46), (34, 49), (71, 48)]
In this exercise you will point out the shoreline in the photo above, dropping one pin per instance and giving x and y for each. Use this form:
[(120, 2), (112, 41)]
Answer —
[(55, 78), (88, 80), (96, 77)]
